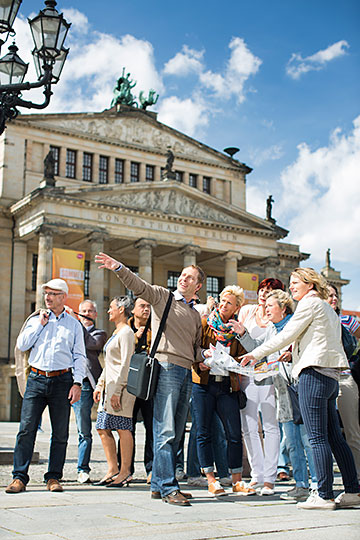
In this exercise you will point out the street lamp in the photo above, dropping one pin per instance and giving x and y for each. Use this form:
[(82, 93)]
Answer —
[(49, 30)]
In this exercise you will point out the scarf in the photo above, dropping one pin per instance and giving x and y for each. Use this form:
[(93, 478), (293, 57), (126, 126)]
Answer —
[(222, 333), (280, 325)]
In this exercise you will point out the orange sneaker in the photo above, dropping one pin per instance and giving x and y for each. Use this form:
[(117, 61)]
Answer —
[(215, 489), (242, 489)]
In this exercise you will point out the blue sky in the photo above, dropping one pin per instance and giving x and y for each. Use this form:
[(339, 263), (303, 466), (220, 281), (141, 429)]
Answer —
[(278, 79)]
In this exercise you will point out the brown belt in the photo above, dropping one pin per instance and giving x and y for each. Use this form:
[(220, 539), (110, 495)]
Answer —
[(50, 373)]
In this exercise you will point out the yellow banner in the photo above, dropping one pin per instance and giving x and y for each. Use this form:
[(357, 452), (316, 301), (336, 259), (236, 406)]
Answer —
[(70, 265), (249, 282)]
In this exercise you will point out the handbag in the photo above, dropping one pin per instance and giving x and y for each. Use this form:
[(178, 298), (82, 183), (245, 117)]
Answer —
[(294, 398), (144, 368)]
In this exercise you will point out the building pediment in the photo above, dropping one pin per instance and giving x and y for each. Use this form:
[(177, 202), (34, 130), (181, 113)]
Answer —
[(131, 128)]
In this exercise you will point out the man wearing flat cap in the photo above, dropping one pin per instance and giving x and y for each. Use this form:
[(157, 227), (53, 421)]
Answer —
[(57, 367)]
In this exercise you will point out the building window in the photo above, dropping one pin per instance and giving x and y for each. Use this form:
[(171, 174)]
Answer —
[(206, 184), (179, 176), (172, 280), (193, 180), (134, 172), (149, 173), (34, 271), (87, 279), (56, 153), (214, 286), (87, 167), (103, 170), (119, 171), (70, 163)]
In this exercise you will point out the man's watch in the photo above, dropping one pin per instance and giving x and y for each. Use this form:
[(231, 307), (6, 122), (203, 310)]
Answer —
[(78, 384)]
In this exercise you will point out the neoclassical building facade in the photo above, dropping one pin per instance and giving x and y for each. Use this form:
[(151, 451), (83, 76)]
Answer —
[(113, 193)]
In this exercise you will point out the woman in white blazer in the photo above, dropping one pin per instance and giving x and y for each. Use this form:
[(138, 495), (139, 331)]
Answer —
[(318, 357)]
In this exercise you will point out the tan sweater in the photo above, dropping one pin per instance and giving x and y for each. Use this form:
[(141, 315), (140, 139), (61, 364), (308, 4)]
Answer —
[(114, 376), (180, 342)]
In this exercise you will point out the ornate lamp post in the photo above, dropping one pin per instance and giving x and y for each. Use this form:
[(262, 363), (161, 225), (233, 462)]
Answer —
[(49, 30)]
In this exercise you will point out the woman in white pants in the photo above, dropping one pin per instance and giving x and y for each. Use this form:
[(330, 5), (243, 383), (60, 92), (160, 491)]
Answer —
[(263, 462)]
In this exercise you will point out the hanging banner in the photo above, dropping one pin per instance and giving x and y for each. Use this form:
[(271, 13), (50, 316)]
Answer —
[(70, 265), (249, 282)]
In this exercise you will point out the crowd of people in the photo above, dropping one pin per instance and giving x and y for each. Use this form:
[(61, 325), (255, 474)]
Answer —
[(289, 419)]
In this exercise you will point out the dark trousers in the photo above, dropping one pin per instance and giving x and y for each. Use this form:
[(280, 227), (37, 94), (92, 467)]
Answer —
[(40, 392), (146, 409), (317, 399), (206, 400)]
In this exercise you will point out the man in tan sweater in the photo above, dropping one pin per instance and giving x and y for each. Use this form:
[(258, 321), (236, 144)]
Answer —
[(178, 349)]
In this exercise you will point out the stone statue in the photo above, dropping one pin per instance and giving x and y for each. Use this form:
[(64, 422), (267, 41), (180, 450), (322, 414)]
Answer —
[(122, 91), (49, 166), (168, 169), (269, 202), (328, 261), (150, 100)]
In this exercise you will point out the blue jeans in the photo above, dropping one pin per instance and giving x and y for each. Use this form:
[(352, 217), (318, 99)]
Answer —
[(208, 399), (219, 448), (171, 407), (296, 443), (317, 399), (40, 392), (284, 460), (82, 410)]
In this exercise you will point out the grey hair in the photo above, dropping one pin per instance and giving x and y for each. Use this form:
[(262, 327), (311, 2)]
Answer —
[(91, 302), (125, 302)]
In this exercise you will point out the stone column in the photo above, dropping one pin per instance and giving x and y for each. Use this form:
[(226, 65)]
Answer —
[(231, 259), (189, 253), (142, 172), (18, 289), (157, 173), (97, 277), (145, 246), (44, 266), (126, 171)]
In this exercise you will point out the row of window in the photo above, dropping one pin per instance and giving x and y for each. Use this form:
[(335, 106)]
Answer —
[(103, 172), (214, 284)]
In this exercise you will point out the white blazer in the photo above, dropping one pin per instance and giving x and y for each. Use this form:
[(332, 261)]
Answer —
[(315, 332)]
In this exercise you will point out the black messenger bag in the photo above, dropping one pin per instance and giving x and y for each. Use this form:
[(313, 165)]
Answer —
[(144, 368)]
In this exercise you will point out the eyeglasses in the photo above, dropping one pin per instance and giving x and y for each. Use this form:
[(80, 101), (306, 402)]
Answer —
[(52, 293)]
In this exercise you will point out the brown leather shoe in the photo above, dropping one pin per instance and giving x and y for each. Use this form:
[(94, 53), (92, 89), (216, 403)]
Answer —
[(177, 498), (156, 495), (16, 486), (54, 485)]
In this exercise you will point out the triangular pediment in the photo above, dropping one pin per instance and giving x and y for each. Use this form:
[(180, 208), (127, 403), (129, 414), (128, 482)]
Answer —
[(130, 128), (169, 199)]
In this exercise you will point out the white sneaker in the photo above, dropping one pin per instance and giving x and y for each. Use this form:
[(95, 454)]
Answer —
[(83, 477), (315, 502), (347, 500), (197, 481), (225, 481), (264, 491)]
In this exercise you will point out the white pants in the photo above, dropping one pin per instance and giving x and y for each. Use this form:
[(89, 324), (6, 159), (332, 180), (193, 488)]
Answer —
[(348, 405), (263, 463)]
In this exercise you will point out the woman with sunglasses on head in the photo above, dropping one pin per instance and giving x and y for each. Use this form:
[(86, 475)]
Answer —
[(260, 397), (317, 357), (115, 403), (348, 398)]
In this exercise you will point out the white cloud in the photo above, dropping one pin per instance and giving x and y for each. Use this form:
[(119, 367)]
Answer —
[(321, 197), (185, 62), (297, 65), (272, 153), (187, 115), (256, 198), (79, 21)]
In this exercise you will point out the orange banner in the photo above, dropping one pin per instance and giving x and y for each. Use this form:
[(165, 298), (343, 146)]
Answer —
[(70, 265), (249, 282)]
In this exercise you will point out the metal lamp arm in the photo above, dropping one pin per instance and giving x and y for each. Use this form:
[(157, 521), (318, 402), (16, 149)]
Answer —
[(44, 81)]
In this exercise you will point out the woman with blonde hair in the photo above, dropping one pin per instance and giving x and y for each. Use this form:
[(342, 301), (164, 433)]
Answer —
[(317, 357), (115, 403), (214, 393)]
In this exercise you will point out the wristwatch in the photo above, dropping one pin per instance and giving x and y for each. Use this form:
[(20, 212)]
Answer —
[(78, 384)]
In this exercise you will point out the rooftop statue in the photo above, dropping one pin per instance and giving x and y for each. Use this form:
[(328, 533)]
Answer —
[(269, 203), (124, 96)]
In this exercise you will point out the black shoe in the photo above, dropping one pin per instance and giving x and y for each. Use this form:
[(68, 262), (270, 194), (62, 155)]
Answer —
[(123, 483), (177, 498), (106, 481)]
